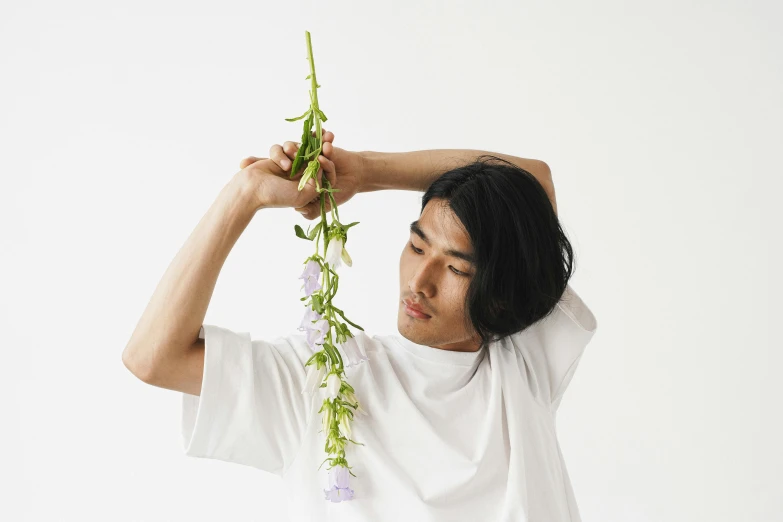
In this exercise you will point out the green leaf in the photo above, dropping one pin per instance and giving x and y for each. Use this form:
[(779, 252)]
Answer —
[(348, 321), (311, 154), (318, 303), (300, 232), (321, 113), (304, 149), (309, 111), (295, 165), (308, 77), (315, 230), (346, 227)]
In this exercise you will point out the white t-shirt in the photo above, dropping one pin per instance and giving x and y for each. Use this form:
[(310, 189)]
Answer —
[(449, 436)]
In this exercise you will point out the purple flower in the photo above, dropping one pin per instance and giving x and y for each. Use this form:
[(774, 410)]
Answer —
[(339, 490), (310, 275), (307, 321), (353, 352), (316, 333)]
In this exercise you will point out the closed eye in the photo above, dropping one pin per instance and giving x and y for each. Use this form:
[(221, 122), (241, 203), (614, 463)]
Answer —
[(419, 251)]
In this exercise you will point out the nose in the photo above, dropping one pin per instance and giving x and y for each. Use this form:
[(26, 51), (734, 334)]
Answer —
[(421, 282)]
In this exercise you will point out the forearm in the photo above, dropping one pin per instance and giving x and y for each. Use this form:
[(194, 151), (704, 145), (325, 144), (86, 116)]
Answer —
[(418, 169), (171, 321)]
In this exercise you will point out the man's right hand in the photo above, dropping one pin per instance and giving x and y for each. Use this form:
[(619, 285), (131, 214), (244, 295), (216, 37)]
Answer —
[(343, 170), (267, 185)]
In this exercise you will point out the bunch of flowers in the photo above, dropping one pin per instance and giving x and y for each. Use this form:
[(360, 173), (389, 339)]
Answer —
[(323, 329)]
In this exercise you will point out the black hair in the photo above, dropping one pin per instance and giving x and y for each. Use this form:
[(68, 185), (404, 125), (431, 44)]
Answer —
[(523, 259)]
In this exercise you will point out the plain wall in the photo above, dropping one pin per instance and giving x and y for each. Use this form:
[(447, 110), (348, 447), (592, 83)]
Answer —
[(661, 123)]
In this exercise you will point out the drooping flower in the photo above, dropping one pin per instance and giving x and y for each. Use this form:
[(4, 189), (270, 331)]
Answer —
[(339, 490), (353, 352), (344, 422), (334, 252), (327, 419), (315, 334), (315, 376), (350, 397), (333, 383), (311, 273), (307, 321)]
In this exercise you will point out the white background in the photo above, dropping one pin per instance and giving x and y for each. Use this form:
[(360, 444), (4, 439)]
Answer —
[(661, 122)]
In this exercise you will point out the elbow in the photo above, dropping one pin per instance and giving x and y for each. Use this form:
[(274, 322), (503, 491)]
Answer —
[(544, 176), (137, 365)]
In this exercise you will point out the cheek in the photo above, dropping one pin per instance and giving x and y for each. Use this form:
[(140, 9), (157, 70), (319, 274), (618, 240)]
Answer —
[(405, 259), (456, 297)]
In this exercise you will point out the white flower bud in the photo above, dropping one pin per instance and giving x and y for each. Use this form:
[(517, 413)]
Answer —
[(345, 257), (345, 425), (315, 376), (333, 383), (327, 420)]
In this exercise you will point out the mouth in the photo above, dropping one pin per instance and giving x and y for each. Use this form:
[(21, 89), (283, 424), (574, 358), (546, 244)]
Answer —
[(414, 313)]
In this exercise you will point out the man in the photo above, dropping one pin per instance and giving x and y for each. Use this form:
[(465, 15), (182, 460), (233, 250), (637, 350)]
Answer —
[(461, 405)]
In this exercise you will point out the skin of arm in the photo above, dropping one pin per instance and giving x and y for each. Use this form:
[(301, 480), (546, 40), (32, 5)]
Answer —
[(164, 349), (417, 170)]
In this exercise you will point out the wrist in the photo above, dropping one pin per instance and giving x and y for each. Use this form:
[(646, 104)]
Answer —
[(398, 170), (370, 164), (242, 194), (363, 168)]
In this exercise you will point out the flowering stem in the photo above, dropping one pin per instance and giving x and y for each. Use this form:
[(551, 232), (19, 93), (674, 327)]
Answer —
[(337, 411)]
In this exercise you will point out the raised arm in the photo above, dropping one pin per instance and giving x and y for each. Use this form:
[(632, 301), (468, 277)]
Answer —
[(418, 169), (164, 349)]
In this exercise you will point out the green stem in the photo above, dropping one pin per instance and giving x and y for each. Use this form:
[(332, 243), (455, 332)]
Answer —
[(346, 319), (314, 91)]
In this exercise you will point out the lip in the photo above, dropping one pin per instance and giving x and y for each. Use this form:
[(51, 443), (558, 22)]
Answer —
[(414, 311)]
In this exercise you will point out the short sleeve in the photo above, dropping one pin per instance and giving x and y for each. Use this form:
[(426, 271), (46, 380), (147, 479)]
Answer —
[(251, 410), (553, 346)]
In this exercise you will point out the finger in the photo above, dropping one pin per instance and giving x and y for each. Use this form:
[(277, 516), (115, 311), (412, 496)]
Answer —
[(327, 135), (290, 148), (327, 166), (308, 212), (279, 156), (268, 165), (313, 209), (308, 192), (248, 161)]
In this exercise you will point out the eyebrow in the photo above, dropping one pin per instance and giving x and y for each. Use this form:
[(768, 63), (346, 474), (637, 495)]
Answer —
[(416, 229)]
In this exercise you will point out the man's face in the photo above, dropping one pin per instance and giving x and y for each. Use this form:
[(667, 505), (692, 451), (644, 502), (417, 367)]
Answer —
[(437, 280)]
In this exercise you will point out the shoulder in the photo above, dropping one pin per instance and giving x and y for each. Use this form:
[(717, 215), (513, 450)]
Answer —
[(571, 319), (551, 348)]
